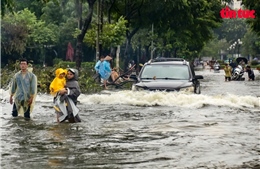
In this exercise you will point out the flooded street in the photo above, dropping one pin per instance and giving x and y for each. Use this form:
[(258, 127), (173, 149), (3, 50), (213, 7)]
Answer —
[(142, 130)]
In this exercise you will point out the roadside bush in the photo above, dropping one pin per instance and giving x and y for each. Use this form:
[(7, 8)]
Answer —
[(45, 75), (254, 62), (258, 67)]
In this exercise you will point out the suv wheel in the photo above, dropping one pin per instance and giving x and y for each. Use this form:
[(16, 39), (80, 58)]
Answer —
[(197, 89)]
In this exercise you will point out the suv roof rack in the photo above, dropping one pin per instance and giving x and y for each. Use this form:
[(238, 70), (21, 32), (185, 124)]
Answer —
[(161, 59)]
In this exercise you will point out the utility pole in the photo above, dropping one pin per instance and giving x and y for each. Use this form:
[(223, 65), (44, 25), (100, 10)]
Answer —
[(117, 57), (98, 30), (152, 44)]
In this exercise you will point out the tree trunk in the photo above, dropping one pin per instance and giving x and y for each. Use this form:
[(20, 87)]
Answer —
[(79, 12), (175, 52), (80, 37), (147, 55), (128, 47)]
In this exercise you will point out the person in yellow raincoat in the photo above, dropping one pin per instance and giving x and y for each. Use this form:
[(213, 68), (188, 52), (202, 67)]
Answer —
[(58, 82), (23, 91), (228, 71)]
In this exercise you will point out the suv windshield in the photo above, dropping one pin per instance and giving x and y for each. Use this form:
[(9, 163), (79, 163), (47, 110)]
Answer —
[(166, 71)]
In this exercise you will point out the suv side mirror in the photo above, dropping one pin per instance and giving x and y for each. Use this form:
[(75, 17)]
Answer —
[(198, 77)]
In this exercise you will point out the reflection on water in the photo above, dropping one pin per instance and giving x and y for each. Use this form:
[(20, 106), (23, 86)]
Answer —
[(124, 129)]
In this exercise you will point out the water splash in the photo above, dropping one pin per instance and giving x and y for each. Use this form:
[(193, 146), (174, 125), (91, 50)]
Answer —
[(148, 98)]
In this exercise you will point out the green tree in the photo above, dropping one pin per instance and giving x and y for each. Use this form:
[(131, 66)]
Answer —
[(179, 26), (214, 47), (7, 5), (253, 5), (81, 35), (231, 29), (22, 30), (113, 34), (16, 5), (13, 37), (35, 6), (251, 44)]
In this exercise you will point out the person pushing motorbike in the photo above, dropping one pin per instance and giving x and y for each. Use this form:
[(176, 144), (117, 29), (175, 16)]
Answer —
[(251, 75)]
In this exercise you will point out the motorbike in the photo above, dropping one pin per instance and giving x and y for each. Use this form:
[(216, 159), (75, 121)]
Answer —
[(238, 73)]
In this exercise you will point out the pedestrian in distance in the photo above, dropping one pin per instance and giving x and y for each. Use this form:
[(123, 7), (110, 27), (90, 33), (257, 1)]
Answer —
[(115, 76), (97, 77), (97, 65), (105, 70), (23, 91)]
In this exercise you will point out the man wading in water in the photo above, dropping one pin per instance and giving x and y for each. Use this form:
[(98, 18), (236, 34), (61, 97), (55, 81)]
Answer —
[(23, 90)]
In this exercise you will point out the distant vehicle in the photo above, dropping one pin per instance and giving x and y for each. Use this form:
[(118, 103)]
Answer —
[(227, 61), (216, 67), (168, 74)]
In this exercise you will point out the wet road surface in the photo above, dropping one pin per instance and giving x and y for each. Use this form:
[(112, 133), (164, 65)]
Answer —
[(125, 129)]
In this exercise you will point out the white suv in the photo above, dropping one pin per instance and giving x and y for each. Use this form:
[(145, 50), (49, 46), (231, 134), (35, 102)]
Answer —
[(168, 74)]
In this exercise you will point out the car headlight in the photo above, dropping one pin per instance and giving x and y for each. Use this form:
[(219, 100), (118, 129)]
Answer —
[(137, 88), (189, 89)]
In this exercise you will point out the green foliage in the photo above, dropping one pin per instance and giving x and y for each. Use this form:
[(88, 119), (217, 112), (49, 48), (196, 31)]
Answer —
[(57, 61), (86, 82), (67, 64), (52, 13), (45, 75), (13, 37), (258, 67), (6, 75), (251, 44), (111, 35), (22, 30), (7, 5), (213, 47), (232, 29), (181, 27), (254, 62), (185, 31), (253, 5)]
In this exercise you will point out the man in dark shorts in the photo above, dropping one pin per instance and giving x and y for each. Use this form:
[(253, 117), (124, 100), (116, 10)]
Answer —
[(251, 75)]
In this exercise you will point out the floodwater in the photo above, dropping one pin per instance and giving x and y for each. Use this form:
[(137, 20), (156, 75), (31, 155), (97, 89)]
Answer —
[(142, 130)]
